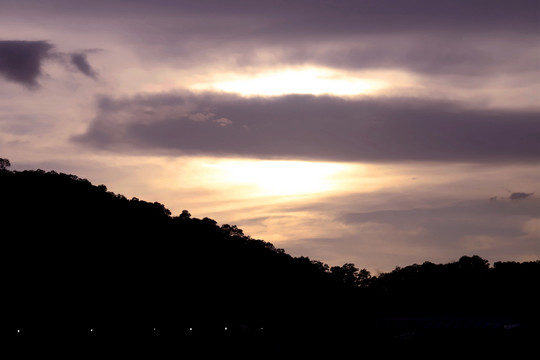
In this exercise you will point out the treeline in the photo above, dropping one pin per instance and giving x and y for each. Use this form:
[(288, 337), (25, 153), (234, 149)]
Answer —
[(75, 253), (467, 287)]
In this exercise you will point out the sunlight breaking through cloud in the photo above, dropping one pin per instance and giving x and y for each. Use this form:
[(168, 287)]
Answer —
[(309, 80), (280, 178)]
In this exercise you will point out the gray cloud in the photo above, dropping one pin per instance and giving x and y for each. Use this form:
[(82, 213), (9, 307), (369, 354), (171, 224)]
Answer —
[(429, 54), (520, 195), (21, 61), (80, 61), (315, 127), (321, 17)]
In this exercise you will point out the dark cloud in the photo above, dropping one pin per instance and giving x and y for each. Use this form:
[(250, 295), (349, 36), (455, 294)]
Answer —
[(520, 195), (21, 61), (321, 17), (80, 61), (470, 38), (439, 54), (434, 37), (430, 54), (315, 127)]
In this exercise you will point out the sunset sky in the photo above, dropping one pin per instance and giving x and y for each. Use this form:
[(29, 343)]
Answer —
[(379, 133)]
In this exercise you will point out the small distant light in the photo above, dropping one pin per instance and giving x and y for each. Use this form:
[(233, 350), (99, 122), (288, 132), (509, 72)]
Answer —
[(18, 330), (154, 329), (262, 328), (91, 330), (225, 328), (190, 329)]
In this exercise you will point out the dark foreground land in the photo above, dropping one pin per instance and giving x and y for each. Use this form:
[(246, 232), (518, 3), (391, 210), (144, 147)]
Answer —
[(87, 272), (383, 342)]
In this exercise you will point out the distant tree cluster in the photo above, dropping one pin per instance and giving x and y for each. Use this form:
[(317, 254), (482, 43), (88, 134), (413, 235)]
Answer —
[(469, 286)]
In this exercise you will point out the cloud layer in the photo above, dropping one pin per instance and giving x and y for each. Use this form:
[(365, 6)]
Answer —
[(314, 127), (444, 37)]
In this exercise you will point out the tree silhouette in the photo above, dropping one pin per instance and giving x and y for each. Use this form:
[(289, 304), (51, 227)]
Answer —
[(346, 275), (184, 215), (4, 164)]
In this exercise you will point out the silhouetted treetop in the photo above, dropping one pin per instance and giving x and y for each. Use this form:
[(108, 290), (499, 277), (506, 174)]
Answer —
[(4, 164)]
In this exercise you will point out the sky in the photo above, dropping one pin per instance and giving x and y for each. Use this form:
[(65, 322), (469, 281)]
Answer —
[(380, 133)]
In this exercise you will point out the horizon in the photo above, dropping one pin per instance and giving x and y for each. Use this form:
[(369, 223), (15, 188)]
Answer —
[(372, 133)]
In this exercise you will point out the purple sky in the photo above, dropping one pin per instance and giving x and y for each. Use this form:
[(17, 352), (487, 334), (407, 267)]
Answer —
[(380, 133)]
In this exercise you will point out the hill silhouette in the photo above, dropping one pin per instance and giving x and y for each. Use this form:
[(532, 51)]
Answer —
[(81, 262)]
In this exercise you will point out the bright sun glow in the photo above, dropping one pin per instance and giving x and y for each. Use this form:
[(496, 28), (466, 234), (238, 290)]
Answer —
[(316, 81), (275, 178)]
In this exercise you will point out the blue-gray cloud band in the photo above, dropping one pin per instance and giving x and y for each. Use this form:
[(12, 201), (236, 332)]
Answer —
[(314, 127)]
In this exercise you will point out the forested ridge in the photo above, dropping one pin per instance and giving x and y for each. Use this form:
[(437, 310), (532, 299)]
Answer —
[(75, 254)]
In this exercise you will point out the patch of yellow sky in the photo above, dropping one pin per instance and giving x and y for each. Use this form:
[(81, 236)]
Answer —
[(209, 185), (304, 80), (280, 178), (236, 190), (314, 80)]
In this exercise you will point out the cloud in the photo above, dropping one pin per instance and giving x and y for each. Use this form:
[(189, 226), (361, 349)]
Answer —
[(80, 61), (532, 228), (520, 195), (473, 38), (21, 61), (314, 127), (324, 17), (223, 121), (426, 54)]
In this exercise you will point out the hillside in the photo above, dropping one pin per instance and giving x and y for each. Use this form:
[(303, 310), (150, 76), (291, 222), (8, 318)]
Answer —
[(103, 251), (77, 256)]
